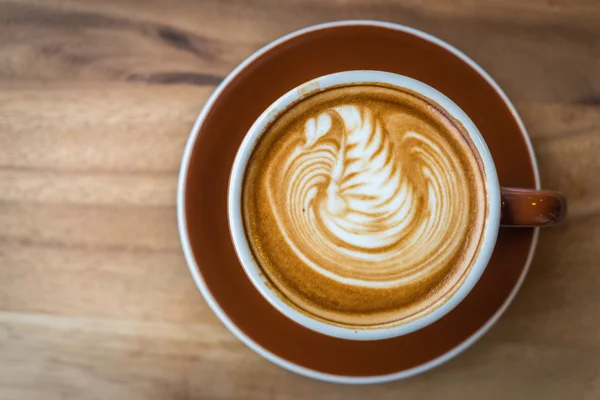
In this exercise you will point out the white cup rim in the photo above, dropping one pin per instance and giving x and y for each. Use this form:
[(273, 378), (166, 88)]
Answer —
[(242, 247)]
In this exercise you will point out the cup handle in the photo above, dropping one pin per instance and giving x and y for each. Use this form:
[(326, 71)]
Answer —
[(530, 207)]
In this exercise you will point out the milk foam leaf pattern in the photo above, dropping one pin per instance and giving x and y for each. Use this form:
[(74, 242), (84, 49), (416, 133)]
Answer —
[(368, 202)]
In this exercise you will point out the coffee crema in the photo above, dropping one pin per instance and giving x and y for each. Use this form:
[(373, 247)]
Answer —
[(364, 205)]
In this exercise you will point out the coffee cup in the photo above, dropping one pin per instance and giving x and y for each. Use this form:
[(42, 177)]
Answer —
[(366, 224)]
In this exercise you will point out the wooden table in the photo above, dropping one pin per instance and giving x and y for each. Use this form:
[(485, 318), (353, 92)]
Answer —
[(96, 102)]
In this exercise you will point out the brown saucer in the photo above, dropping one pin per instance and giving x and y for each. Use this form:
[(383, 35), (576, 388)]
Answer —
[(202, 197)]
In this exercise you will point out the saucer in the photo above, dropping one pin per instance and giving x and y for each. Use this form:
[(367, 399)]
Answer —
[(211, 148)]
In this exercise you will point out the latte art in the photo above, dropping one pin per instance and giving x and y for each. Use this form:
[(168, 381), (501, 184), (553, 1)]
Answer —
[(354, 213), (363, 205)]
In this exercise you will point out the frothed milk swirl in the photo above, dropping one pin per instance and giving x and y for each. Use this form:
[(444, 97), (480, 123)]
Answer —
[(364, 205)]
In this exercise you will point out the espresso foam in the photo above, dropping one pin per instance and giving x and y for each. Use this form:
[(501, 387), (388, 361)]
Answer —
[(364, 205)]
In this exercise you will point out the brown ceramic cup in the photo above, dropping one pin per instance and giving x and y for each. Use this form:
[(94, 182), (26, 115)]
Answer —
[(506, 207)]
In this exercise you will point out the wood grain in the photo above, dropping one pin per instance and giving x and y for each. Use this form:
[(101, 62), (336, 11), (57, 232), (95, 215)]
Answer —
[(96, 102)]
